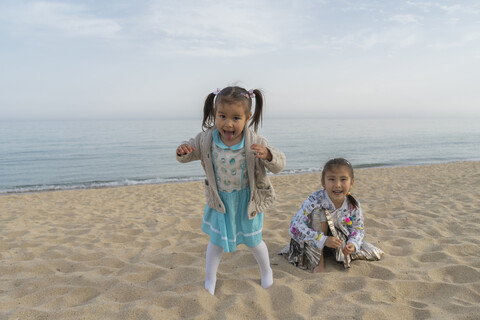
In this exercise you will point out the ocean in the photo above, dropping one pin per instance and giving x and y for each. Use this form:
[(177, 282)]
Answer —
[(59, 155)]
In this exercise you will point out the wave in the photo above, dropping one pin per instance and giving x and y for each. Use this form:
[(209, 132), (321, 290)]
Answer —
[(121, 183), (94, 185)]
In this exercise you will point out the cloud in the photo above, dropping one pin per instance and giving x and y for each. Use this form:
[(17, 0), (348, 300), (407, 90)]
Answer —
[(219, 28), (463, 41), (468, 8), (62, 19), (451, 9), (369, 39), (214, 28), (406, 18), (232, 29)]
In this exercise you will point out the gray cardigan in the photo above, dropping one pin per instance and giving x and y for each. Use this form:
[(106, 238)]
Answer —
[(262, 194)]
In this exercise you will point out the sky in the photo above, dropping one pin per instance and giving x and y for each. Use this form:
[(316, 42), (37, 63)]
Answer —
[(91, 59)]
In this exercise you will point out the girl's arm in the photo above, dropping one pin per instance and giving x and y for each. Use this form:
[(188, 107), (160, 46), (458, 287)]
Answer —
[(301, 233), (277, 162), (357, 232), (190, 148)]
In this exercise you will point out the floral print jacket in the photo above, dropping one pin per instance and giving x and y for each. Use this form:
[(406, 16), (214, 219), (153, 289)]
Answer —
[(347, 217)]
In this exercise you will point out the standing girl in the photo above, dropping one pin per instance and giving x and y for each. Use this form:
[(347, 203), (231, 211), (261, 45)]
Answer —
[(332, 210), (237, 187)]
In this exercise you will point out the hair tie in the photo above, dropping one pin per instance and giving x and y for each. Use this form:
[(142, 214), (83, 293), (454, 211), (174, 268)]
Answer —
[(217, 91), (249, 95)]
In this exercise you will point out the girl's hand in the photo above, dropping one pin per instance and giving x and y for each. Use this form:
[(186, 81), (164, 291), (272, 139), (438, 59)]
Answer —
[(184, 149), (333, 242), (348, 249), (261, 152)]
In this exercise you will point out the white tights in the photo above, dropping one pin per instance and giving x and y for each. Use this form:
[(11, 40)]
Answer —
[(214, 254)]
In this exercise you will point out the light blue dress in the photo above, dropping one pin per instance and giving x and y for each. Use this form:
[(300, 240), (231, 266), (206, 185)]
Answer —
[(234, 227)]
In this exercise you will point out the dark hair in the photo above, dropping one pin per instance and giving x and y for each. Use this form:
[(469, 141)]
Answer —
[(230, 95), (340, 162)]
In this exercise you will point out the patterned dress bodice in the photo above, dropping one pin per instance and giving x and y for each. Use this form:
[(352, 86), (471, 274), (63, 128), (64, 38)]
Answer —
[(230, 168)]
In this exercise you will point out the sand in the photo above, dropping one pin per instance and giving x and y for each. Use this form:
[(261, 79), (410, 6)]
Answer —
[(138, 253)]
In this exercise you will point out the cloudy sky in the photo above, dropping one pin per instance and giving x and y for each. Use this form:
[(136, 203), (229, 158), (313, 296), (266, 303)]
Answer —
[(89, 59)]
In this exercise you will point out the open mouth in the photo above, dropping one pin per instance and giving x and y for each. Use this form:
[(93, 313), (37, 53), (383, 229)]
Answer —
[(337, 193), (228, 134)]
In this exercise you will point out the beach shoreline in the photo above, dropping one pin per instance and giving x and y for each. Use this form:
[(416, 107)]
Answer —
[(137, 252), (115, 184)]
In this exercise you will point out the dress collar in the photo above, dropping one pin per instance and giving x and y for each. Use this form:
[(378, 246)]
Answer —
[(220, 144)]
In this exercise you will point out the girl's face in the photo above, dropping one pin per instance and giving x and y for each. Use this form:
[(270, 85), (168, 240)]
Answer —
[(230, 120), (338, 183)]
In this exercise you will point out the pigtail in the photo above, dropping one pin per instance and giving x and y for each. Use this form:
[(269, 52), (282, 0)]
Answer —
[(352, 200), (257, 116), (209, 112)]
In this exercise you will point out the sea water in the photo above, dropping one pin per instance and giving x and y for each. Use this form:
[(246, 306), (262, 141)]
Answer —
[(56, 155)]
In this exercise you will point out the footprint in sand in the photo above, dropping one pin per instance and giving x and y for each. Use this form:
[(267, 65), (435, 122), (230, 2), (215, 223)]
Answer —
[(454, 274)]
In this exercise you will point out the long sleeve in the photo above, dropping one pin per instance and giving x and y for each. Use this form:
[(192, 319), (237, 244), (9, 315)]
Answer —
[(195, 155), (278, 160), (355, 226)]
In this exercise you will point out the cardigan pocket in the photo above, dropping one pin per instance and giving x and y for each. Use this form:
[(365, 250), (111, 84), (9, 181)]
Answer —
[(213, 201), (264, 197)]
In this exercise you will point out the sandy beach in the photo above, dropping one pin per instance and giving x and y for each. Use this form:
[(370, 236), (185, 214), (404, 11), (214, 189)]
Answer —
[(138, 253)]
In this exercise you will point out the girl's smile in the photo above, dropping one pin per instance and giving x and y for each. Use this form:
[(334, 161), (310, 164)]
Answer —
[(230, 120)]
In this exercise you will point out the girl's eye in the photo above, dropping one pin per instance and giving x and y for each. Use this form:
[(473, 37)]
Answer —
[(236, 118)]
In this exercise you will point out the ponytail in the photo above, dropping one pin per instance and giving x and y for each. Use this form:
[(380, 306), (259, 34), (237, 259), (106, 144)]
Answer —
[(352, 200), (209, 112), (257, 116)]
